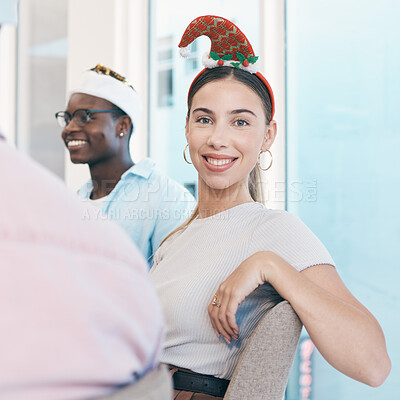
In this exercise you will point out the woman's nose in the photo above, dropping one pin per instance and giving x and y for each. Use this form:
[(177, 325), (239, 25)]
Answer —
[(217, 137)]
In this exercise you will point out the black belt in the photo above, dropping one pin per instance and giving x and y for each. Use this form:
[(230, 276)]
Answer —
[(199, 383)]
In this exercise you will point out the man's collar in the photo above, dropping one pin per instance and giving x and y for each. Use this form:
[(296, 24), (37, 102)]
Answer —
[(143, 168)]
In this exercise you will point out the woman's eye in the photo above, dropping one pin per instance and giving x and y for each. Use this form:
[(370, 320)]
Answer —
[(204, 120), (241, 122)]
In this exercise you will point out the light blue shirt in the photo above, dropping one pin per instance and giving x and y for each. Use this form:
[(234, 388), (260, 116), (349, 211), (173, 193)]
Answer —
[(147, 204)]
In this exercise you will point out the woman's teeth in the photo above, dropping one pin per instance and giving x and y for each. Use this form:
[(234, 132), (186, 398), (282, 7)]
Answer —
[(214, 161)]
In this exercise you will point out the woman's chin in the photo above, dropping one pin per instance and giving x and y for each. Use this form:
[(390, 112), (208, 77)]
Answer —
[(218, 184)]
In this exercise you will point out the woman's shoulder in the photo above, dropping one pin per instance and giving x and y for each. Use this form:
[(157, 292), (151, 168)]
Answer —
[(288, 236), (268, 216), (280, 222)]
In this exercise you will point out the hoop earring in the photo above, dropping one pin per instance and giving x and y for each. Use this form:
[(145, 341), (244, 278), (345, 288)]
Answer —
[(184, 153), (259, 163)]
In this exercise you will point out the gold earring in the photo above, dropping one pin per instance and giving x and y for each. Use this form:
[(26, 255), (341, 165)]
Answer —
[(259, 163), (184, 153)]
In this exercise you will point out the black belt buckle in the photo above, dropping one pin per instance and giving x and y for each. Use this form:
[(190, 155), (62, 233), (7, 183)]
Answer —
[(200, 383)]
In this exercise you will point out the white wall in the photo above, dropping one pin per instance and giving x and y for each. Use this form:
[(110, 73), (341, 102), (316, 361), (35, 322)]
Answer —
[(113, 33), (273, 63), (8, 44), (8, 81)]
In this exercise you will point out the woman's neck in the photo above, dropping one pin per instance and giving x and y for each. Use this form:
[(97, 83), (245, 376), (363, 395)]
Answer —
[(214, 201), (106, 175)]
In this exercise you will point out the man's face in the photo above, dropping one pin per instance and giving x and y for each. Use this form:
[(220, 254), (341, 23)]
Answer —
[(98, 139)]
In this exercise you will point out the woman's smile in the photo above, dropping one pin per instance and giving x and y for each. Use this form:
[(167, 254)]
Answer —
[(218, 162)]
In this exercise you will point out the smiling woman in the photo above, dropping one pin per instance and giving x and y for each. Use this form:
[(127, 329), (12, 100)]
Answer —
[(233, 260), (226, 131)]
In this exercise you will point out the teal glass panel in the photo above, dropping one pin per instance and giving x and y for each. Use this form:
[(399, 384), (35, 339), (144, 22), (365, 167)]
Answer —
[(343, 141)]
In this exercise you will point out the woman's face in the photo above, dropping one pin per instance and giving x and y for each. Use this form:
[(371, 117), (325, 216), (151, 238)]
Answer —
[(96, 141), (226, 130)]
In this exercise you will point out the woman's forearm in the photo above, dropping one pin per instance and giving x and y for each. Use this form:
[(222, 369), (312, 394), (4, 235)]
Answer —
[(348, 337)]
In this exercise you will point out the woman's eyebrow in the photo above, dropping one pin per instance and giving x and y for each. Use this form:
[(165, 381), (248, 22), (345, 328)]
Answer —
[(243, 110), (203, 110)]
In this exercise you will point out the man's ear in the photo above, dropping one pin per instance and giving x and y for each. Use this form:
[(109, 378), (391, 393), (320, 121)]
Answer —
[(124, 124), (270, 135)]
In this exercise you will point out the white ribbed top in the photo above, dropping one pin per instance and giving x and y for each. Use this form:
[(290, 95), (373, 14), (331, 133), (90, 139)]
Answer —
[(190, 266)]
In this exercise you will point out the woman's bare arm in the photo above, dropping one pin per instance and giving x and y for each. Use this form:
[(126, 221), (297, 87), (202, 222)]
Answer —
[(343, 330)]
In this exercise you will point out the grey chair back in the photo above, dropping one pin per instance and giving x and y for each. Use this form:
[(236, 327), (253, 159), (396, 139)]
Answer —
[(262, 371), (264, 366), (156, 385)]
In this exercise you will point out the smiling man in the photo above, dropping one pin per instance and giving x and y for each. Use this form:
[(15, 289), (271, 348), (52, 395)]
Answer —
[(101, 115)]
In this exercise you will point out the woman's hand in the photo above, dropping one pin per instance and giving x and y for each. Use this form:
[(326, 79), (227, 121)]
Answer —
[(250, 274)]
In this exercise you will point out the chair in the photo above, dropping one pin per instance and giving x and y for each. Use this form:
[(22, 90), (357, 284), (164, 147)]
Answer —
[(156, 385), (262, 371), (264, 366)]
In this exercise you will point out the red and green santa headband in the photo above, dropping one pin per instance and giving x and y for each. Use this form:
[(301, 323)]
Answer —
[(229, 47)]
